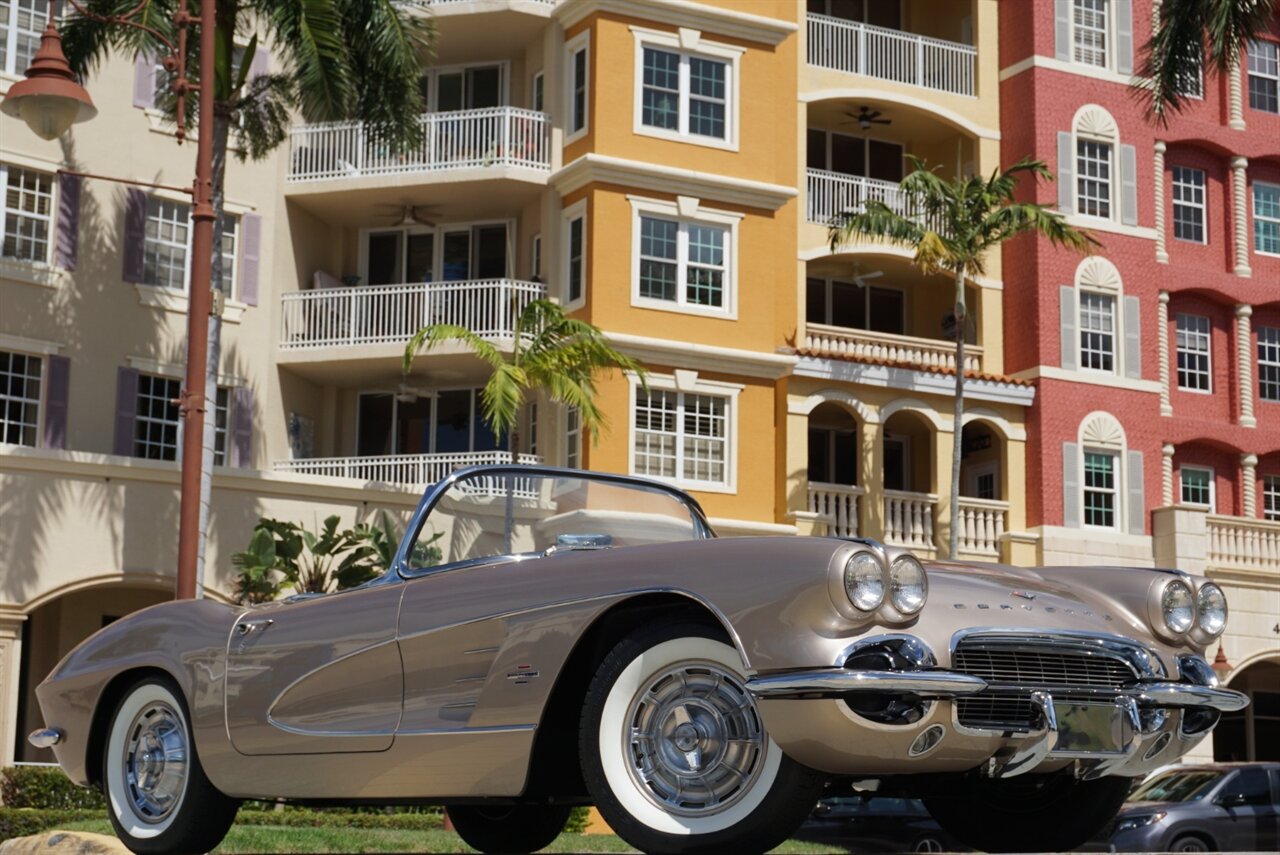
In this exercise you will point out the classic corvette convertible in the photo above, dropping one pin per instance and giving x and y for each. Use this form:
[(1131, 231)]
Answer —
[(547, 638)]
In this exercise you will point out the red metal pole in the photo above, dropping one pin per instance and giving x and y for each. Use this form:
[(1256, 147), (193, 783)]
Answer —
[(198, 306)]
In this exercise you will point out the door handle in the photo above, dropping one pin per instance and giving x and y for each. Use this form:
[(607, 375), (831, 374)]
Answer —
[(251, 626)]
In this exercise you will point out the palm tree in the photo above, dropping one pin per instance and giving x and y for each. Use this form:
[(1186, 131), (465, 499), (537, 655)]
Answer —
[(956, 223), (340, 59), (1177, 49), (550, 352)]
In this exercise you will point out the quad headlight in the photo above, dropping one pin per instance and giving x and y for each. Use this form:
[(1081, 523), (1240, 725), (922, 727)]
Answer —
[(1178, 607), (1211, 610), (864, 581), (908, 585)]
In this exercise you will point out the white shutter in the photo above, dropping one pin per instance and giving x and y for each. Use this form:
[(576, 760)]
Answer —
[(1070, 485), (1066, 173), (1132, 320), (1133, 487), (1124, 36), (1128, 185), (1061, 29), (1069, 346)]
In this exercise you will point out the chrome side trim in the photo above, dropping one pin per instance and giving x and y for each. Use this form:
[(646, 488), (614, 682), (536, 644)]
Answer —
[(46, 737), (1188, 696), (833, 682)]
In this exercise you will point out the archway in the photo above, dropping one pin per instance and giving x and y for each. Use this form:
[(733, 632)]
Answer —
[(1254, 732), (909, 500), (833, 468)]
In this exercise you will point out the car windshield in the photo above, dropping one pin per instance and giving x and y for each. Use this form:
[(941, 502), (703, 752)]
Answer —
[(487, 514), (1178, 786)]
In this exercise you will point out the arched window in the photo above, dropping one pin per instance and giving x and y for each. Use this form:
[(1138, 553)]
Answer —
[(1097, 176), (1102, 480), (1100, 326)]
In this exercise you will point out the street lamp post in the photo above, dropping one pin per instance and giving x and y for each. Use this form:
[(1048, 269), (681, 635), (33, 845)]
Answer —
[(50, 100)]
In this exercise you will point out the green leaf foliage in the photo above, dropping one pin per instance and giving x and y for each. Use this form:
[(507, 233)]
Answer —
[(45, 788)]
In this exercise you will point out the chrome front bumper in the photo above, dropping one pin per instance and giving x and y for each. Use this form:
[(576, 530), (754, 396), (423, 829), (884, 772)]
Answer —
[(943, 685)]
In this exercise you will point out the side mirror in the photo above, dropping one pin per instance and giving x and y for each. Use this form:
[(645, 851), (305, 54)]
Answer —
[(1230, 800)]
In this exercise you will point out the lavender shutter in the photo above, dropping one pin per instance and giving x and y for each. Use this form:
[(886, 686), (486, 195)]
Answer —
[(260, 64), (242, 428), (250, 250), (135, 230), (144, 81), (68, 221), (126, 410), (57, 382)]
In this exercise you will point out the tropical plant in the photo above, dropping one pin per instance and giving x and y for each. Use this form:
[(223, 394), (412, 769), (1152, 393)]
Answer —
[(551, 352), (955, 224), (339, 59), (1177, 50)]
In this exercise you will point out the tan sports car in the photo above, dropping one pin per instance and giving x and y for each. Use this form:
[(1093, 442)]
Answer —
[(549, 638)]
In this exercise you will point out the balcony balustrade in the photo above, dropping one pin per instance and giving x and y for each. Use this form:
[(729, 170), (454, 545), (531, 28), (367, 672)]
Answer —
[(888, 347), (982, 523), (493, 136), (893, 55), (1241, 543), (908, 519), (832, 193), (413, 470), (838, 503), (391, 314)]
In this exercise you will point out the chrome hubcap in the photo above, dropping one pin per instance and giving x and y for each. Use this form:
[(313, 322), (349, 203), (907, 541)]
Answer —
[(155, 762), (696, 742)]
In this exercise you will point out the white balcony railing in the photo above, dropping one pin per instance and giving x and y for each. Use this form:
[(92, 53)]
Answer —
[(887, 54), (908, 518), (888, 347), (1241, 543), (832, 193), (839, 504), (412, 470), (493, 136), (982, 522), (391, 314)]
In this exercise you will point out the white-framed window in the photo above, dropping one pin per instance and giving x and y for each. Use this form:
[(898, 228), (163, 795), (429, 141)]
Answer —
[(848, 154), (537, 97), (1269, 363), (574, 253), (535, 257), (683, 430), (1264, 76), (686, 92), (1094, 169), (464, 87), (683, 260), (577, 85), (26, 213), (165, 244), (572, 438), (1197, 486), (1194, 371), (230, 245), (1271, 497), (1091, 32), (1191, 84), (434, 421), (221, 425), (1188, 204), (20, 382), (1266, 218), (853, 306), (21, 22), (1097, 331), (1101, 489), (157, 424), (447, 252)]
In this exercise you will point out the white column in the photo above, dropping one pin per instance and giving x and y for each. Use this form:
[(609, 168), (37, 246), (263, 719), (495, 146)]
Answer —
[(1166, 474), (10, 666), (1244, 363), (1162, 254), (1249, 484), (1235, 95), (1162, 339), (1240, 213)]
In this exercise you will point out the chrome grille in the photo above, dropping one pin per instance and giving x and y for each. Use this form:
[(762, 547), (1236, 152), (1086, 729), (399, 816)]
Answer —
[(1014, 669)]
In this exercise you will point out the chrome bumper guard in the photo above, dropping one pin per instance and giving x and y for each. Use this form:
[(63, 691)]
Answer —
[(836, 682), (45, 737)]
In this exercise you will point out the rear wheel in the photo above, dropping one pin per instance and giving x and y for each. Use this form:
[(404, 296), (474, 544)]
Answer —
[(509, 828), (158, 798), (674, 751), (1190, 843), (1041, 813)]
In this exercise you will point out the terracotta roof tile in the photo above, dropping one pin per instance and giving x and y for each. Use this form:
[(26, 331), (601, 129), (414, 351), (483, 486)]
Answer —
[(933, 369)]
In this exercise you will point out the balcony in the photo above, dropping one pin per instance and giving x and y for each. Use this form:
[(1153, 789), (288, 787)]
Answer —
[(908, 519), (892, 55), (414, 470), (838, 504), (887, 347), (1237, 543), (391, 314), (982, 525), (830, 193), (451, 142)]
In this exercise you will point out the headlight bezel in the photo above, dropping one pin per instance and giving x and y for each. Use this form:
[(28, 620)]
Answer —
[(910, 564), (860, 610), (869, 576), (1203, 631), (1158, 608)]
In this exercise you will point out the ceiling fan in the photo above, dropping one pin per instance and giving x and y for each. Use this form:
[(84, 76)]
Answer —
[(861, 279), (866, 117), (407, 394), (406, 214)]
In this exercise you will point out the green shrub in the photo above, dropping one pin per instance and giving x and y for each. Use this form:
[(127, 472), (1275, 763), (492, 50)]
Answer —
[(22, 822), (45, 788), (340, 818), (578, 818)]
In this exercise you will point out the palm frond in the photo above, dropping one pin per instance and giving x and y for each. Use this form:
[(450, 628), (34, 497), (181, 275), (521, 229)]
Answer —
[(876, 220), (317, 56), (430, 336), (501, 397)]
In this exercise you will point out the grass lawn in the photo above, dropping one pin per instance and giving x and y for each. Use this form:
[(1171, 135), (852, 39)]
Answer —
[(270, 839)]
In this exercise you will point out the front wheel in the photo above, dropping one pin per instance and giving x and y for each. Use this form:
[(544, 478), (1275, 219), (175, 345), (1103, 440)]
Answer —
[(1035, 813), (159, 800), (674, 751), (509, 828)]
